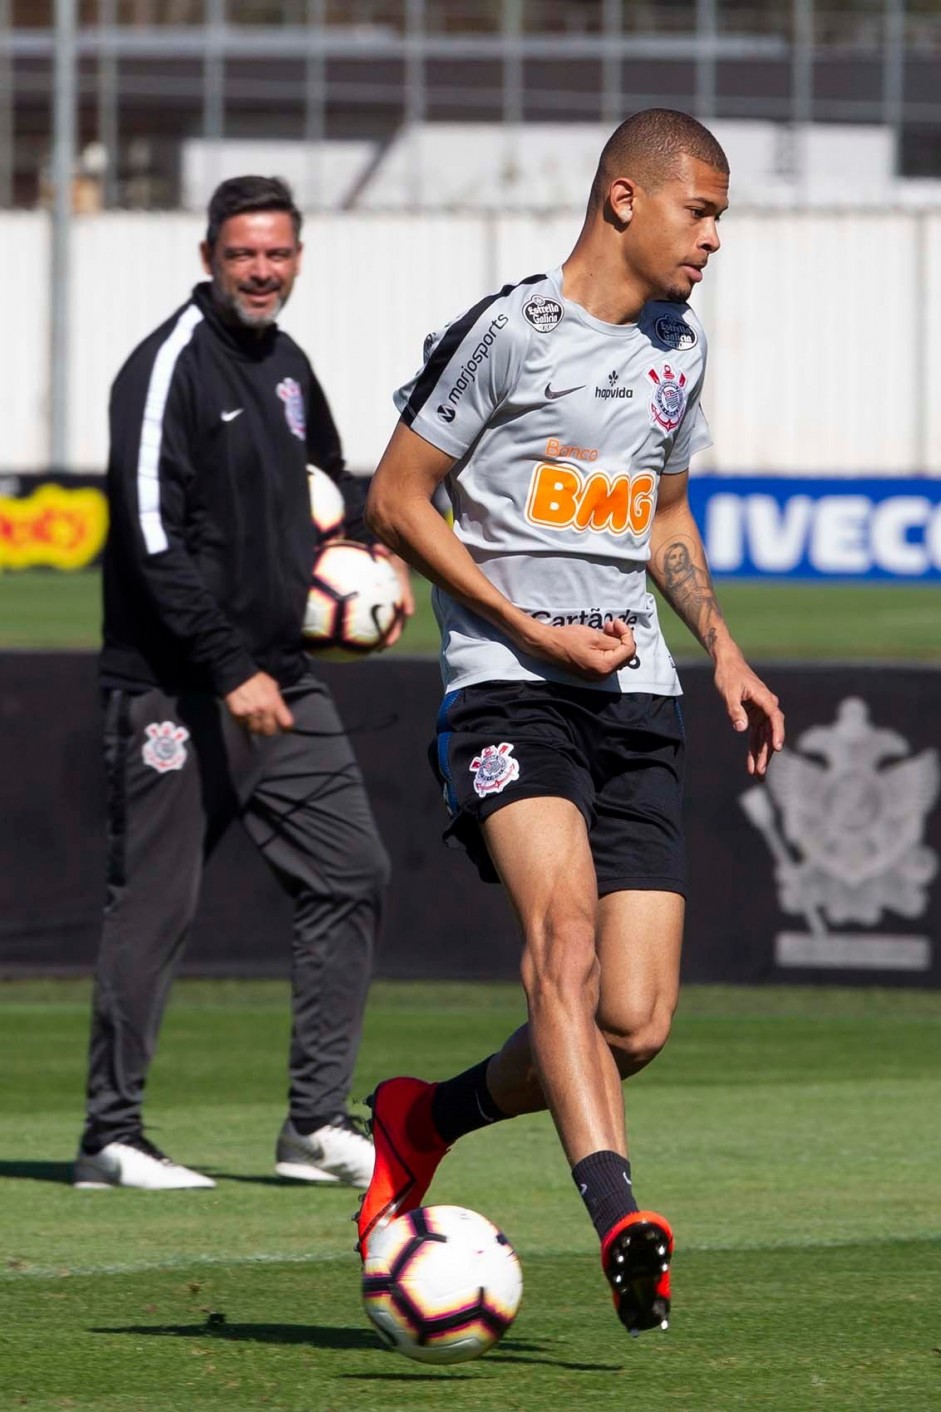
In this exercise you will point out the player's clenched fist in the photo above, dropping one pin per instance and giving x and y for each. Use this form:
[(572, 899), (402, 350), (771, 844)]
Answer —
[(590, 652)]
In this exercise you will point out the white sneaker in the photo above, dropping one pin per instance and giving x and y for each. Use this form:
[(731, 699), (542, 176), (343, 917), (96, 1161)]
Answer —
[(134, 1162), (337, 1152)]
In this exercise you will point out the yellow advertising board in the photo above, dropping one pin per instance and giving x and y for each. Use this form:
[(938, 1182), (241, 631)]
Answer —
[(54, 526)]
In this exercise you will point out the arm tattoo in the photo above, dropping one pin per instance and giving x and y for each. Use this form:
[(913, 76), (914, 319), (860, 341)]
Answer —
[(686, 584)]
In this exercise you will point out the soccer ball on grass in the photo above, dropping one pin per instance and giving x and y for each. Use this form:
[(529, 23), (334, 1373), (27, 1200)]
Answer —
[(354, 601), (441, 1284)]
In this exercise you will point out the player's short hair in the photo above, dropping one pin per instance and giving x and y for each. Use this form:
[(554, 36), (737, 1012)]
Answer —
[(648, 146), (249, 193)]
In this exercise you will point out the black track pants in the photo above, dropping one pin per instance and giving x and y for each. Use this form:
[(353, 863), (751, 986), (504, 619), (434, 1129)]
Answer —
[(179, 771)]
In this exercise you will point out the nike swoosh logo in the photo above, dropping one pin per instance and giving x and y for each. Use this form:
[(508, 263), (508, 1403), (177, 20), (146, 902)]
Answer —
[(231, 416), (562, 392)]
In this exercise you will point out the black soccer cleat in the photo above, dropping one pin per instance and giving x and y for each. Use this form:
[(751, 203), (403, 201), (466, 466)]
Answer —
[(635, 1256)]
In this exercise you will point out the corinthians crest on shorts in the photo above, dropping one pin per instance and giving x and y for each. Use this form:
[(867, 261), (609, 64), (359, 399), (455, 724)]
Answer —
[(493, 769), (669, 397), (165, 748), (289, 390)]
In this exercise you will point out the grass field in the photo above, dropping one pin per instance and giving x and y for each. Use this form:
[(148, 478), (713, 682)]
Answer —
[(865, 621), (791, 1136)]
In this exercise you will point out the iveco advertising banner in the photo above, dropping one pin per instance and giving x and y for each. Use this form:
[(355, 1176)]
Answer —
[(820, 529)]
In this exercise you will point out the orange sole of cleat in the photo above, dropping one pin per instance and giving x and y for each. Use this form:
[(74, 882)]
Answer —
[(636, 1257)]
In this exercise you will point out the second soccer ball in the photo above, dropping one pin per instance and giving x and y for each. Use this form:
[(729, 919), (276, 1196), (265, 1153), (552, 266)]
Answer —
[(354, 601)]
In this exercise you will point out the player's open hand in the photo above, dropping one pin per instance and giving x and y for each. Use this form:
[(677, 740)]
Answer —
[(259, 706), (588, 652), (752, 707)]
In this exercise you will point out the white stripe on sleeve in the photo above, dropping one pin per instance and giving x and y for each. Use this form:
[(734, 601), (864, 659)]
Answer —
[(148, 461)]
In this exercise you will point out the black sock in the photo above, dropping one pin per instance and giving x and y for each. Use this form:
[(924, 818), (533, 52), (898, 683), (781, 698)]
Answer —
[(604, 1181), (463, 1104)]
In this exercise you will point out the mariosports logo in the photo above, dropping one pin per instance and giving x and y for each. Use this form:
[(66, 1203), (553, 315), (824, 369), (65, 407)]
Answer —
[(468, 373), (447, 414), (614, 388)]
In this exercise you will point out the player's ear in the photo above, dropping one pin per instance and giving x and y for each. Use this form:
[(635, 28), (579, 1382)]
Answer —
[(622, 194), (205, 253)]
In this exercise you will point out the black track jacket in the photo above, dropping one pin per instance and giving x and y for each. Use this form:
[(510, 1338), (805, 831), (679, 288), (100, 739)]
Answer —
[(211, 541)]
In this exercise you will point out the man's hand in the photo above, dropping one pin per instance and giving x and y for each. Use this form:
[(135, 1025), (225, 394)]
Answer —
[(588, 652), (751, 706), (259, 706), (407, 597)]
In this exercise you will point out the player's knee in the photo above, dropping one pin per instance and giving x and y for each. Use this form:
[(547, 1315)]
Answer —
[(560, 964), (636, 1039)]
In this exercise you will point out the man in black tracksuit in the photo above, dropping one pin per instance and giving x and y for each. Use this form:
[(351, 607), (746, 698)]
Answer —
[(211, 711)]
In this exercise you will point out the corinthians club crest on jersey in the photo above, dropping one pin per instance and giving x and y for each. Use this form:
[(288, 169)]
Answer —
[(493, 769), (165, 746), (845, 825), (289, 390), (669, 397)]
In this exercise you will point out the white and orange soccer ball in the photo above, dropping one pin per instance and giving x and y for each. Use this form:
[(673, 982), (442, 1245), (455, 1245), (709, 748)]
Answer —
[(441, 1284), (327, 507), (354, 601)]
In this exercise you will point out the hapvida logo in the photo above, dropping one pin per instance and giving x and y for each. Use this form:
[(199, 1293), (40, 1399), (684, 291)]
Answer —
[(614, 388)]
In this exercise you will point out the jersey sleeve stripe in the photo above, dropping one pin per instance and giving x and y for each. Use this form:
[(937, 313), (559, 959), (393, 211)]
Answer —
[(434, 369), (151, 441)]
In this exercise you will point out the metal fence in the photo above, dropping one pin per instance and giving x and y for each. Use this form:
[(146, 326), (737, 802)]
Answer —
[(130, 79), (148, 73)]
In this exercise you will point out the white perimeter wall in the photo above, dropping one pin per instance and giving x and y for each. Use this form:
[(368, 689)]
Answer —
[(824, 328)]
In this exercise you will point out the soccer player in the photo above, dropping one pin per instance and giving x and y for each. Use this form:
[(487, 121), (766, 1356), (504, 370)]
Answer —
[(211, 710), (562, 414)]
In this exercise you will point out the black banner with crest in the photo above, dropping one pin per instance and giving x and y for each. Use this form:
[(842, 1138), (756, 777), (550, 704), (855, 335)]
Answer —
[(827, 874)]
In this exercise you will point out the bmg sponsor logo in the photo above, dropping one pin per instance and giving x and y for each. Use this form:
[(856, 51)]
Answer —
[(561, 498)]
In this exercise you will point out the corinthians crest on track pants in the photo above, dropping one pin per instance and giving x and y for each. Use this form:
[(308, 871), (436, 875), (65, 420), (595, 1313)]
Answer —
[(180, 770)]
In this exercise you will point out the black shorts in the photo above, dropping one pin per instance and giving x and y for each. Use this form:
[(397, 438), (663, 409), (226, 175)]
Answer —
[(618, 758)]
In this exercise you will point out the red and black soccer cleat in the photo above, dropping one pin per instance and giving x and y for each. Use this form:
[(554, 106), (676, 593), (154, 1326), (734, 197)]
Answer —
[(408, 1151), (635, 1256)]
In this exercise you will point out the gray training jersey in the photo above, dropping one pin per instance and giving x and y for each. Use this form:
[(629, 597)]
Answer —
[(561, 427)]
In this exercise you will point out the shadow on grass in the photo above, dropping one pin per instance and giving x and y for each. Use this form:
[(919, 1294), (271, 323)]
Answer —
[(344, 1340), (37, 1171), (263, 1180), (439, 1376), (62, 1172), (317, 1335)]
